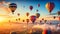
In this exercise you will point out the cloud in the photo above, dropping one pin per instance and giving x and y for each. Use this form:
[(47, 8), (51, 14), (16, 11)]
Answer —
[(4, 3), (4, 9)]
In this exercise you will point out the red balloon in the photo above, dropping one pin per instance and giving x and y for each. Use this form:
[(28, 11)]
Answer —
[(27, 14), (45, 31), (33, 18), (50, 6), (38, 5), (30, 7), (58, 12)]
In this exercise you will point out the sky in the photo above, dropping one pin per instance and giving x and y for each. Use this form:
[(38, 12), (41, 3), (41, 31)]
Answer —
[(23, 7), (42, 9)]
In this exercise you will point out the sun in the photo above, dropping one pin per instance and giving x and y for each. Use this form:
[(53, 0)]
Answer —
[(2, 19)]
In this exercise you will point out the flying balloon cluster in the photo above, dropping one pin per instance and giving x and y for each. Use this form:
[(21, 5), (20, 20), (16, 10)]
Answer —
[(49, 6)]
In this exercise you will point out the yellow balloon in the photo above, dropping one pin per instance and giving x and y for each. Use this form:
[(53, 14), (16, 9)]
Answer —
[(47, 6)]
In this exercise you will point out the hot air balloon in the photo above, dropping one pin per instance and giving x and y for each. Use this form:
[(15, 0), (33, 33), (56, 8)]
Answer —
[(37, 10), (37, 15), (40, 21), (54, 17), (49, 31), (59, 18), (33, 18), (42, 18), (38, 5), (50, 6), (27, 14), (44, 31), (58, 12), (27, 20), (30, 7), (19, 19), (12, 7), (18, 14), (23, 20), (45, 21), (13, 33), (16, 19)]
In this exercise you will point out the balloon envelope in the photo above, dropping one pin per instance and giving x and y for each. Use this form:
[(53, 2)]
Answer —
[(45, 21), (50, 6), (27, 14), (38, 5), (23, 20), (33, 18), (18, 18), (59, 18), (12, 7), (40, 21), (18, 14), (30, 7), (58, 12), (42, 18), (37, 15), (13, 33), (27, 20), (37, 10), (54, 17)]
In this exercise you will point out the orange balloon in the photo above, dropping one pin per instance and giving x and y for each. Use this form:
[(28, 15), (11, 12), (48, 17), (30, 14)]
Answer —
[(50, 6), (27, 14), (18, 14), (59, 18), (27, 20), (23, 20)]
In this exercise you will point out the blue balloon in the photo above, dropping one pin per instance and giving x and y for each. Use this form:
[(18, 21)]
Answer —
[(12, 7), (49, 32)]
